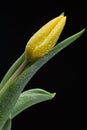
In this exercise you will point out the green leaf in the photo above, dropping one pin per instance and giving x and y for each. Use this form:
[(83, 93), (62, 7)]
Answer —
[(9, 94), (29, 98), (7, 125), (29, 72), (12, 70)]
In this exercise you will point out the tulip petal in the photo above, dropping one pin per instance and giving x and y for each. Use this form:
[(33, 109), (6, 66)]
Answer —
[(50, 41), (45, 39)]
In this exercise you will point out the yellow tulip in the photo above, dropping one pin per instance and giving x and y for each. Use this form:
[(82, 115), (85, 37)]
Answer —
[(45, 38)]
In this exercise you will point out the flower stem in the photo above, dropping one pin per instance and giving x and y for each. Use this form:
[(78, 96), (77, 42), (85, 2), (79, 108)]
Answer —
[(17, 72)]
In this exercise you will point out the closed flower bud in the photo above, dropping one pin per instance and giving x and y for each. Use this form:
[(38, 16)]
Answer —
[(45, 38)]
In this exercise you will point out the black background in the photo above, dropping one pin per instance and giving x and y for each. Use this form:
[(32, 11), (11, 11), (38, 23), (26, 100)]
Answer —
[(65, 74)]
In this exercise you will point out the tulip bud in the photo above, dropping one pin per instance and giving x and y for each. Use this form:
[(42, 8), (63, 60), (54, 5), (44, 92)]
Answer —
[(45, 38)]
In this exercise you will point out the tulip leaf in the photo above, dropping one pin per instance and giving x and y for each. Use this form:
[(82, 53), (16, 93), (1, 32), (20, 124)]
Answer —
[(29, 98), (9, 94)]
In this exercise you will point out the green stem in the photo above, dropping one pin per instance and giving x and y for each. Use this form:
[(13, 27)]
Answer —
[(7, 125), (5, 94), (12, 70), (17, 72)]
